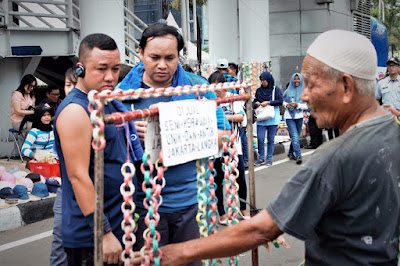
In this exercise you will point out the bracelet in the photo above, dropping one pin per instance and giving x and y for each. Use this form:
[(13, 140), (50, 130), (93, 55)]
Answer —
[(106, 224)]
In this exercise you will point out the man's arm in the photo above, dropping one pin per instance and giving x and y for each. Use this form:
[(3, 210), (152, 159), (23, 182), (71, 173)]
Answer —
[(75, 132), (246, 235)]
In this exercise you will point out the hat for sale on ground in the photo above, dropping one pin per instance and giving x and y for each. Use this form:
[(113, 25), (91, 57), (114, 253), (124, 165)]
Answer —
[(27, 183), (52, 184), (393, 60), (40, 190), (222, 63), (21, 191), (8, 178), (58, 179), (4, 184), (35, 177), (8, 193), (346, 51), (20, 175)]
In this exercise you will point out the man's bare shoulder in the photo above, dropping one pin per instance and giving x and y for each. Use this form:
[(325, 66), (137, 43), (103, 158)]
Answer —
[(73, 116)]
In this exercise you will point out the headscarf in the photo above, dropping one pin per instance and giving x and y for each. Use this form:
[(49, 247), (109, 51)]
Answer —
[(265, 92), (294, 92), (37, 118)]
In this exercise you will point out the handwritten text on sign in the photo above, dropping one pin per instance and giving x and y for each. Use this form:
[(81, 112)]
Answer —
[(188, 130)]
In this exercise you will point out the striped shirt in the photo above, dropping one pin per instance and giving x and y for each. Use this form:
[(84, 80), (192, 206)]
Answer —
[(37, 140)]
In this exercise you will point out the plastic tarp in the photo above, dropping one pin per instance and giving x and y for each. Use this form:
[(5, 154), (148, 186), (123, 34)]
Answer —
[(379, 38)]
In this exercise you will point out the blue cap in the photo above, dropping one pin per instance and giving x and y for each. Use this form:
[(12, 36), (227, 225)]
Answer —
[(40, 190), (8, 193), (52, 184), (21, 191)]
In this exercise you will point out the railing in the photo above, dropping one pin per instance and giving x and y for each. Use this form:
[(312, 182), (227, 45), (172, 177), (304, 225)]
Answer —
[(131, 27), (60, 15), (43, 15)]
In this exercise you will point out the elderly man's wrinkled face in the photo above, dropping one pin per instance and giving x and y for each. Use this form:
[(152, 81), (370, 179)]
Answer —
[(320, 93)]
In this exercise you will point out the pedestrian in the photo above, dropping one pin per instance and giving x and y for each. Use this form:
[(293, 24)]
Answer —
[(294, 114), (159, 50), (388, 89), (235, 114), (222, 67), (23, 104), (58, 255), (344, 202), (233, 70), (70, 79), (267, 94), (316, 138), (98, 69)]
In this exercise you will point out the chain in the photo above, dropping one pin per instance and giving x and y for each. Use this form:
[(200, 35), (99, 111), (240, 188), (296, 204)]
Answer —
[(212, 203), (95, 107), (128, 208), (121, 95), (152, 202), (231, 172), (202, 201)]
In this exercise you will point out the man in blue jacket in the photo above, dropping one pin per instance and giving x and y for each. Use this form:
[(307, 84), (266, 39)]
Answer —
[(159, 68)]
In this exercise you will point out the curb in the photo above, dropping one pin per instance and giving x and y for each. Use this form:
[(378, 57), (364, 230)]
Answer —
[(26, 213), (35, 211)]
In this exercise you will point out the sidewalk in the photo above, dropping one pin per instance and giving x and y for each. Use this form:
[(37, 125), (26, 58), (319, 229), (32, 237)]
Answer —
[(27, 211), (34, 210)]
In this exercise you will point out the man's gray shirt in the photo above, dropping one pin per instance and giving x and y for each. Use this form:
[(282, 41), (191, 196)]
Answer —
[(345, 201)]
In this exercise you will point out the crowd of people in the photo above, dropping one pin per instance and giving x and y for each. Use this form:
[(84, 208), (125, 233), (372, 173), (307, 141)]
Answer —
[(324, 203)]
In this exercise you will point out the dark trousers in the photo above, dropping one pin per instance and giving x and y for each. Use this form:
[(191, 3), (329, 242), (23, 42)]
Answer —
[(315, 133), (24, 120), (173, 227), (81, 256), (331, 131), (219, 180), (243, 138)]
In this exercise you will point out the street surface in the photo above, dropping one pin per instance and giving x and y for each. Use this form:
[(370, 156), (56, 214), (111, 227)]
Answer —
[(30, 245)]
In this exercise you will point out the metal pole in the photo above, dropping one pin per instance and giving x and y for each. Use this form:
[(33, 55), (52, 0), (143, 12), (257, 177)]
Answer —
[(70, 19), (195, 20), (250, 154), (184, 25), (98, 201)]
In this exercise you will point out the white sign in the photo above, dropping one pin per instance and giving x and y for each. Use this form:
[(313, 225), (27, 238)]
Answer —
[(188, 130)]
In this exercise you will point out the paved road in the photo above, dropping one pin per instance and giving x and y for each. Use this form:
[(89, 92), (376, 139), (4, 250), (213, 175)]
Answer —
[(30, 245)]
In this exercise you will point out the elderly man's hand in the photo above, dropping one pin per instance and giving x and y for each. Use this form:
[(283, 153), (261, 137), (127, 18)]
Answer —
[(170, 256)]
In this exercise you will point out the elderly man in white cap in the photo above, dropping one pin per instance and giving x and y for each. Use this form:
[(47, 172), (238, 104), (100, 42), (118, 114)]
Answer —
[(345, 201)]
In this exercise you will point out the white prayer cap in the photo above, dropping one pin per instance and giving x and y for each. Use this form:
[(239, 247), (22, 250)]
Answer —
[(346, 51)]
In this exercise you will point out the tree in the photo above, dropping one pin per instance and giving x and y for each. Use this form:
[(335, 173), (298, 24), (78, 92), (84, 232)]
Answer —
[(392, 21)]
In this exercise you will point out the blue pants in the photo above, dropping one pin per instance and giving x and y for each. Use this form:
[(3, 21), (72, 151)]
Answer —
[(243, 137), (271, 141), (294, 128), (58, 255)]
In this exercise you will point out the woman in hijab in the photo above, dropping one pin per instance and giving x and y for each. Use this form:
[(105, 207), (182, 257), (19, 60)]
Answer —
[(294, 114), (41, 136), (267, 94)]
